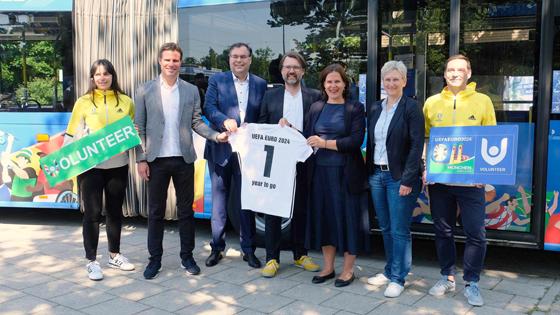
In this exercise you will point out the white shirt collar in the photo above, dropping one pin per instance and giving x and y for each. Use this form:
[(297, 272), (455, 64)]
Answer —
[(237, 80), (298, 94), (164, 84)]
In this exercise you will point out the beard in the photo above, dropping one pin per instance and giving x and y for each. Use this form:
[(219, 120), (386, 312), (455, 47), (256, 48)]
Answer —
[(291, 80)]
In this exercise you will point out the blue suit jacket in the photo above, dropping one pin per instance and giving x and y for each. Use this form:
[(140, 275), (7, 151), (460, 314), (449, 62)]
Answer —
[(221, 103)]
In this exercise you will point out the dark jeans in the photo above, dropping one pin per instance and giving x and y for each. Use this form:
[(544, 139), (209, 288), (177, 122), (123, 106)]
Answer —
[(92, 184), (443, 204), (182, 174), (394, 214), (226, 180), (273, 228)]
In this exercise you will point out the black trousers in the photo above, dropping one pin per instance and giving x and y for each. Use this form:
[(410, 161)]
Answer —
[(273, 228), (443, 203), (182, 174), (92, 184)]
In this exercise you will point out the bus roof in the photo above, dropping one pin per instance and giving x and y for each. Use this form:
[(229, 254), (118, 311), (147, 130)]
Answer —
[(199, 3), (35, 5)]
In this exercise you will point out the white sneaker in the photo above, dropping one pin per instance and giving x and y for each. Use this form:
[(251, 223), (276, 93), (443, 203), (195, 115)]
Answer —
[(120, 262), (393, 290), (94, 271), (442, 286), (378, 279)]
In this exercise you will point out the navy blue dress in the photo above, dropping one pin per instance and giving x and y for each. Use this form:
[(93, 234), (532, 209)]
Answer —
[(335, 215)]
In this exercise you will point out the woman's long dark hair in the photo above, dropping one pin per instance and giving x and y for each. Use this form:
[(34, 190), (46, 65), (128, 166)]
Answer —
[(114, 82)]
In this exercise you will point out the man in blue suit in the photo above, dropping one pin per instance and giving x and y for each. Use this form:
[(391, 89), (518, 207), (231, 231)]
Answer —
[(232, 98)]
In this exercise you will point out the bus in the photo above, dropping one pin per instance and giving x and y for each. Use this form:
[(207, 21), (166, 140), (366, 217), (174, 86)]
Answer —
[(514, 47)]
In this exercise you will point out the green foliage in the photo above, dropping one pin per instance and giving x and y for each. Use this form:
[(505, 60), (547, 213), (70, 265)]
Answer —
[(40, 90), (8, 79), (41, 62), (211, 60), (335, 32), (9, 56), (261, 60), (190, 61), (41, 59)]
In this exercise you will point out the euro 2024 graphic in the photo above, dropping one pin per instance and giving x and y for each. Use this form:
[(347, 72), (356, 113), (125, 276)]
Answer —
[(453, 155), (473, 154)]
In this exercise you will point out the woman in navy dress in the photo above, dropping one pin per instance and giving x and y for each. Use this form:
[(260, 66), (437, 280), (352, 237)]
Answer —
[(337, 220)]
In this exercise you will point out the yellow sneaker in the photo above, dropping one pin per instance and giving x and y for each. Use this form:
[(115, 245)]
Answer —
[(270, 269), (306, 263)]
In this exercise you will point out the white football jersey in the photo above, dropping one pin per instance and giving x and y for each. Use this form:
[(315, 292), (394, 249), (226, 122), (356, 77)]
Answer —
[(268, 155)]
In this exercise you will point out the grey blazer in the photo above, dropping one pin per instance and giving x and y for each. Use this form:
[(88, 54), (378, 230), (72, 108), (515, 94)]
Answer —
[(150, 120)]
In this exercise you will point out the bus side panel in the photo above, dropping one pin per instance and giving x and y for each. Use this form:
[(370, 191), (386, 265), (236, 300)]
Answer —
[(504, 203), (23, 183), (202, 205), (552, 214)]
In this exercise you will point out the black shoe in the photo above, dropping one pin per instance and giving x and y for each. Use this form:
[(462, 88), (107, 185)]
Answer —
[(152, 270), (190, 266), (214, 258), (321, 279), (252, 260), (342, 283)]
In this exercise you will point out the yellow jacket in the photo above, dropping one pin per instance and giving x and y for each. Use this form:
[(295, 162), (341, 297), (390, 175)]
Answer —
[(95, 111), (467, 108)]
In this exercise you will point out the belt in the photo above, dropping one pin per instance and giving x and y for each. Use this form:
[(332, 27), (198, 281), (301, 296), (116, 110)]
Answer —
[(383, 168)]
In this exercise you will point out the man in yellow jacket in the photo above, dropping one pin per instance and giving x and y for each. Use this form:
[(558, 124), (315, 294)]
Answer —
[(459, 104)]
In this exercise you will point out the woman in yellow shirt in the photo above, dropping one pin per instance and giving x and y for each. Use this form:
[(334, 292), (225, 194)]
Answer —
[(103, 104)]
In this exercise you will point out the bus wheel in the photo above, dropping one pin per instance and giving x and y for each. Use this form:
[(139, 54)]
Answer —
[(67, 196)]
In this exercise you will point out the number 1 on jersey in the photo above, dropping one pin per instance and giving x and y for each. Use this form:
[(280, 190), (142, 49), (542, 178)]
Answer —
[(268, 163)]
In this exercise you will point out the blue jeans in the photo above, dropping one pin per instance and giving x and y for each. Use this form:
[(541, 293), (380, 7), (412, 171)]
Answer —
[(394, 214)]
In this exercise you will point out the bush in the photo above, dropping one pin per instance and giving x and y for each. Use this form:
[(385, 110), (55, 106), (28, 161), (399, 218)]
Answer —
[(40, 90)]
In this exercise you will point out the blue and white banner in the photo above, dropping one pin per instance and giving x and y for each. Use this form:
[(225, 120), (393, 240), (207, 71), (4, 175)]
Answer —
[(473, 155)]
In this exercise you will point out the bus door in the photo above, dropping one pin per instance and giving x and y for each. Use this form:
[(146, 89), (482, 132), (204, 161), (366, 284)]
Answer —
[(499, 38)]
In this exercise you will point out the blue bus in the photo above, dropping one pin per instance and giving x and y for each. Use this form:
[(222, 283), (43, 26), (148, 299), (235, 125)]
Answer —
[(515, 61)]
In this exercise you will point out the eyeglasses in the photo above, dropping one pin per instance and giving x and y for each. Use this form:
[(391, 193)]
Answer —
[(290, 68), (242, 57)]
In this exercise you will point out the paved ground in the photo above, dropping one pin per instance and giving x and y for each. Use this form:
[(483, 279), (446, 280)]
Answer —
[(43, 272)]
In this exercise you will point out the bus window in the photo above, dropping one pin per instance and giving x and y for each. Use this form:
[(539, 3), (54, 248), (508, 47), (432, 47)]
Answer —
[(36, 61), (499, 38), (272, 28)]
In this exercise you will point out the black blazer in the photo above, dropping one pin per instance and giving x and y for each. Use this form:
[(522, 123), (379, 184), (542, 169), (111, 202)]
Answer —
[(272, 106), (350, 145), (405, 141)]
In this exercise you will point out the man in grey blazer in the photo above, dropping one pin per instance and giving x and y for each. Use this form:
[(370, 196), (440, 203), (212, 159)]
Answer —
[(167, 110)]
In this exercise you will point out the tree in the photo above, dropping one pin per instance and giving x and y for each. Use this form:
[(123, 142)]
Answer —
[(41, 62), (337, 30), (210, 61), (190, 61), (261, 59)]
